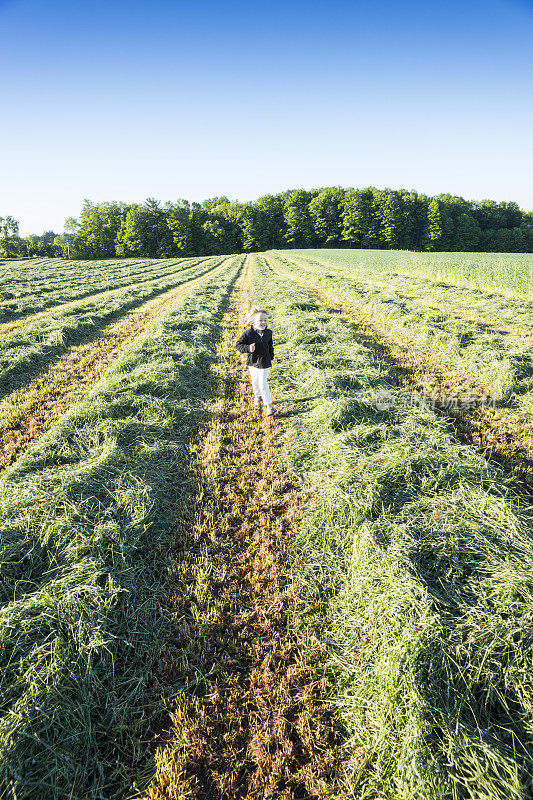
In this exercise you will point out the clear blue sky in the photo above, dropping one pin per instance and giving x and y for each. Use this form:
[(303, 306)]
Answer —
[(123, 101)]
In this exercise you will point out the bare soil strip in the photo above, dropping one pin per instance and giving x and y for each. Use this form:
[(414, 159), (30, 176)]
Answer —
[(503, 434), (28, 412), (24, 320), (258, 727)]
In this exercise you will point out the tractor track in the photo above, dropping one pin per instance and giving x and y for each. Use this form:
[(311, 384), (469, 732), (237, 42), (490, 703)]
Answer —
[(258, 727)]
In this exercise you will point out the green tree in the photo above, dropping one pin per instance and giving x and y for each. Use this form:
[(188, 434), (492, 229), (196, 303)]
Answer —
[(467, 233), (180, 225), (300, 231), (214, 236), (325, 210), (359, 218), (98, 229), (390, 215), (144, 231), (10, 242), (433, 226), (271, 223), (251, 229), (64, 243)]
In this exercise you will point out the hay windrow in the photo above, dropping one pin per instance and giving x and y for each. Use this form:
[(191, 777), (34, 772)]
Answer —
[(27, 413), (87, 517), (417, 561), (502, 433), (53, 286), (30, 350)]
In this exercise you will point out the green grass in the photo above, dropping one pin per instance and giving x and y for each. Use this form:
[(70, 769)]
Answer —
[(413, 567), (27, 351), (506, 273), (88, 520), (498, 364), (33, 285)]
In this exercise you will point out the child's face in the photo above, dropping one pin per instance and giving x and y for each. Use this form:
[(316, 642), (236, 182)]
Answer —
[(260, 321)]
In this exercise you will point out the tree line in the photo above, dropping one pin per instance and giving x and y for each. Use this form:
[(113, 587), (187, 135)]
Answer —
[(330, 217)]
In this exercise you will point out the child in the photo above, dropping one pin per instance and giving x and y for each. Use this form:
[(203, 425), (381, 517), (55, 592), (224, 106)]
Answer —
[(256, 341)]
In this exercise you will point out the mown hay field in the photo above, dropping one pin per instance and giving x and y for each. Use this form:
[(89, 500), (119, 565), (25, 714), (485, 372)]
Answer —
[(200, 601)]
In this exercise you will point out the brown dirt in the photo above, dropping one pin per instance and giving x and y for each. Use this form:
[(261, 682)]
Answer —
[(259, 729), (501, 433), (28, 412)]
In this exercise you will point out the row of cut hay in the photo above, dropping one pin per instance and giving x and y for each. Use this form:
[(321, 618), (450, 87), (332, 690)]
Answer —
[(489, 364), (42, 276), (24, 293), (509, 274), (414, 568), (483, 306), (88, 518), (26, 352)]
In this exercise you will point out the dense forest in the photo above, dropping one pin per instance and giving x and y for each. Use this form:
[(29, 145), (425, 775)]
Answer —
[(331, 217)]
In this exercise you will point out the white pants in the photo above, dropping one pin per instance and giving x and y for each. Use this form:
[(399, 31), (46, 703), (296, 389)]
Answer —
[(259, 384)]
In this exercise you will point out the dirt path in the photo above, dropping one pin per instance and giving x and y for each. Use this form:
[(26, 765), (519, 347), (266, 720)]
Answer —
[(502, 433), (257, 728), (28, 412)]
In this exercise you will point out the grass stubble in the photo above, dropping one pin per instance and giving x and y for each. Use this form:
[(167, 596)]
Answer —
[(252, 723)]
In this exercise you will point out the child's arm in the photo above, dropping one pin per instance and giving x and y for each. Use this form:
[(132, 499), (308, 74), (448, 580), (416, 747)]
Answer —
[(271, 348), (243, 345)]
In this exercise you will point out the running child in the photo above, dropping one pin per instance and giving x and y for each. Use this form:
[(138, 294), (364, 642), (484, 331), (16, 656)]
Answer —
[(256, 342)]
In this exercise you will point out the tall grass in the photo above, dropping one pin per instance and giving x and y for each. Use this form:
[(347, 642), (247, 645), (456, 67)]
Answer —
[(88, 521), (508, 273), (413, 567)]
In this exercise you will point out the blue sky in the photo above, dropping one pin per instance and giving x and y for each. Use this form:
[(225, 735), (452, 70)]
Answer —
[(123, 101)]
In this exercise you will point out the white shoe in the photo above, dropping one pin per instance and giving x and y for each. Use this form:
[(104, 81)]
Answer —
[(257, 403), (269, 411)]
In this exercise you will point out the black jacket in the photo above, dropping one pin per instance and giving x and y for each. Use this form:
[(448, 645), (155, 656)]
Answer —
[(264, 351)]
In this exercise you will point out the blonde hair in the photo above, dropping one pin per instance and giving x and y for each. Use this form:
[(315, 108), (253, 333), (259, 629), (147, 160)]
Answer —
[(250, 316)]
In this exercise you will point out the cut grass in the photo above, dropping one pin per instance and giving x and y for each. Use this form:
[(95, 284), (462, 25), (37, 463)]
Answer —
[(27, 288), (26, 352), (25, 414), (435, 366), (414, 571), (507, 274), (87, 517), (251, 724), (496, 362)]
